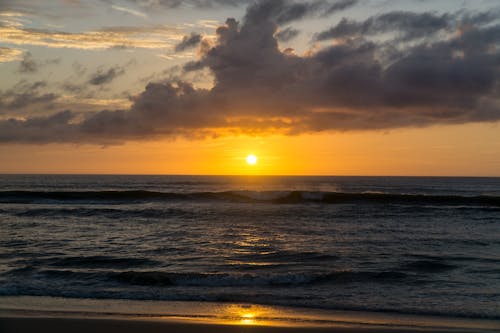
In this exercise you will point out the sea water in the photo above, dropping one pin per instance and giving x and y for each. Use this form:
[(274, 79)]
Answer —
[(411, 245)]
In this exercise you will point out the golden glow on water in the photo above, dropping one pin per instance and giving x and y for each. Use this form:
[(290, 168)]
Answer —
[(248, 319), (248, 315), (236, 315)]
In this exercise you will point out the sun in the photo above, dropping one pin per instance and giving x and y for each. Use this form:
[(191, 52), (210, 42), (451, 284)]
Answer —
[(252, 159)]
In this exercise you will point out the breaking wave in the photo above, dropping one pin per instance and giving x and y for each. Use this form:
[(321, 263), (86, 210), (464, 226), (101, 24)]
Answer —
[(271, 197)]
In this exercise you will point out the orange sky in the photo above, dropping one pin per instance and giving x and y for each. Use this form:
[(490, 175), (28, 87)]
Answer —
[(465, 150)]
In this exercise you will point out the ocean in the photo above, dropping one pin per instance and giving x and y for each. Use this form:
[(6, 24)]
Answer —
[(411, 245)]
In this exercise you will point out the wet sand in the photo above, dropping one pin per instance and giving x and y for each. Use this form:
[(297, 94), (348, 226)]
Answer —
[(77, 325), (58, 315)]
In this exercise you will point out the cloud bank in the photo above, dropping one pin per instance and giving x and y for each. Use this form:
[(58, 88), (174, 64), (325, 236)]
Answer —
[(432, 69)]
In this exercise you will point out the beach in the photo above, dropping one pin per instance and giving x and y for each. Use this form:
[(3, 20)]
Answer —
[(77, 325), (48, 314)]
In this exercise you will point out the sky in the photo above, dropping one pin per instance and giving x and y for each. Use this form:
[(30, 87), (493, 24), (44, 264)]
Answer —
[(318, 87)]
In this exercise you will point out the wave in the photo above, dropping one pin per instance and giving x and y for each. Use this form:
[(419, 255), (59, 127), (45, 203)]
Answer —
[(103, 268), (214, 280), (428, 266), (284, 257), (457, 258), (272, 197), (101, 212), (158, 278), (94, 262)]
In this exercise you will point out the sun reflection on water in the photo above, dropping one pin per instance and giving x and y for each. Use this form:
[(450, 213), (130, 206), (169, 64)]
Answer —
[(239, 315), (248, 315), (248, 319)]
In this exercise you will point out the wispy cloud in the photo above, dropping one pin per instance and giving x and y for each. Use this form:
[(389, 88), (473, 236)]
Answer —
[(184, 55), (156, 37), (28, 64), (106, 76), (210, 24), (200, 4), (24, 94), (8, 54), (129, 11)]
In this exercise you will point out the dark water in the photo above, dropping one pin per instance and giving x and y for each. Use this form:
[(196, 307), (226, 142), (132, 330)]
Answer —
[(411, 245)]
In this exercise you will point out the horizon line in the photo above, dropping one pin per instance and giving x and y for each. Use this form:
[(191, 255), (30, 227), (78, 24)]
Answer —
[(240, 175)]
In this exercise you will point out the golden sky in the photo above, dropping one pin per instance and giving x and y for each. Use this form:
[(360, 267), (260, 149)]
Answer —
[(450, 150)]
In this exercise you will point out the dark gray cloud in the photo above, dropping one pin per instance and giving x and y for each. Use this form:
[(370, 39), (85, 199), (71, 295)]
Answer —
[(102, 76), (74, 88), (54, 128), (188, 42), (407, 25), (260, 89), (481, 18), (287, 34), (29, 65), (25, 94), (340, 5), (286, 11)]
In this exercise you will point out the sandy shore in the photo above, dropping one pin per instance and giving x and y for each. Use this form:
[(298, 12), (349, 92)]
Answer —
[(54, 315), (77, 325)]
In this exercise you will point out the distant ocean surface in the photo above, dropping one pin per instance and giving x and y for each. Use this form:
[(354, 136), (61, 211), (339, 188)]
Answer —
[(395, 244)]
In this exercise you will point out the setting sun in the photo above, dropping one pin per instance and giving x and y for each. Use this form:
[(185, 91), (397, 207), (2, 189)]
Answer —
[(252, 159)]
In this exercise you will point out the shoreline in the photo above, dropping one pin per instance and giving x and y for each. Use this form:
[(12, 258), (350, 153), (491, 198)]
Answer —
[(76, 325), (54, 314)]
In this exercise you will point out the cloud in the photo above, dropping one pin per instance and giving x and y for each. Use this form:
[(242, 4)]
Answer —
[(406, 24), (287, 34), (171, 4), (188, 42), (129, 11), (139, 8), (101, 76), (156, 37), (340, 5), (28, 65), (259, 89), (13, 23), (285, 11), (7, 54), (53, 128), (25, 94)]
